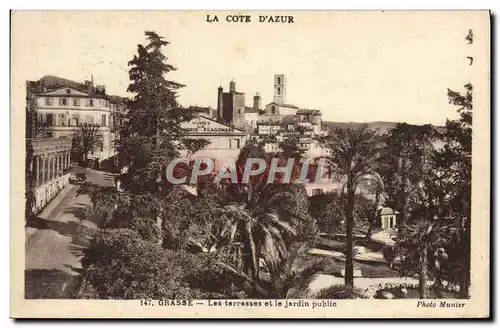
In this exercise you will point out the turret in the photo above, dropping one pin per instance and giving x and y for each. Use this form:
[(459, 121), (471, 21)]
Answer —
[(219, 102), (256, 101), (232, 86)]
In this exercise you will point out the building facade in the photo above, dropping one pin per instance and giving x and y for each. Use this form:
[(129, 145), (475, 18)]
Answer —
[(225, 140), (61, 107), (48, 161)]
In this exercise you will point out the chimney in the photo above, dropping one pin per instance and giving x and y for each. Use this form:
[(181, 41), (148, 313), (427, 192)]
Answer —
[(90, 86), (101, 89), (256, 101)]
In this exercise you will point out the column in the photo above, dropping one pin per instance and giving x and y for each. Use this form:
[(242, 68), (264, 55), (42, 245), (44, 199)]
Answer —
[(68, 158), (63, 154), (52, 167), (59, 155), (37, 172), (49, 168), (43, 160)]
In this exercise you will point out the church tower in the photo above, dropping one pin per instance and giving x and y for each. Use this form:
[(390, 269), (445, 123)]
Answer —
[(279, 89), (256, 101)]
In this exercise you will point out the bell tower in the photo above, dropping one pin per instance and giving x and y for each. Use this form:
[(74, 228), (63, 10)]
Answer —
[(279, 89)]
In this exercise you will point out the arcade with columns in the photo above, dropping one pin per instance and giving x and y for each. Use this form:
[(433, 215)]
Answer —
[(49, 164)]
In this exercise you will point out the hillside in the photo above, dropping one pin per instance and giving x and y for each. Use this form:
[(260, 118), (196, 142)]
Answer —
[(383, 127)]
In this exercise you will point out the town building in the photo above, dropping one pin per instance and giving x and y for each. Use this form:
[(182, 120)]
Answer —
[(277, 121), (233, 123), (60, 108), (225, 141)]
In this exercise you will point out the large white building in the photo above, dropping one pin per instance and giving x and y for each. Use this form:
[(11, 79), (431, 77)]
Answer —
[(62, 106)]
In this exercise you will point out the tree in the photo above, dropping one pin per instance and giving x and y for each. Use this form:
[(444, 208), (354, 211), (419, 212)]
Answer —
[(403, 165), (290, 149), (458, 153), (328, 211), (288, 278), (86, 140), (420, 240), (151, 134), (354, 152)]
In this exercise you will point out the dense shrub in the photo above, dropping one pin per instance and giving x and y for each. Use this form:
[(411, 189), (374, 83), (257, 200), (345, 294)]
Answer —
[(121, 265), (340, 292)]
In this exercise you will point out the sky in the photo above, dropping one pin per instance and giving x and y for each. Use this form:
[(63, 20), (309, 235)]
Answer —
[(353, 66)]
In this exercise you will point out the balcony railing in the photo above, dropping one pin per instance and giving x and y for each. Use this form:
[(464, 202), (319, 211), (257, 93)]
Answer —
[(48, 145)]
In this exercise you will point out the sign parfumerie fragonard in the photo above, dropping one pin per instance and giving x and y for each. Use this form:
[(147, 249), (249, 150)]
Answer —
[(152, 151), (201, 124)]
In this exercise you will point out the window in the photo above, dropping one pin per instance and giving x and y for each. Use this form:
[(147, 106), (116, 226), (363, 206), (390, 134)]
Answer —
[(63, 101), (48, 101), (273, 109), (279, 82), (90, 103), (76, 102), (68, 91), (50, 119), (103, 120), (279, 91), (237, 143)]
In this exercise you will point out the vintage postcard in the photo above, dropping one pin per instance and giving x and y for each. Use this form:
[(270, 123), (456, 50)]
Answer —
[(250, 164)]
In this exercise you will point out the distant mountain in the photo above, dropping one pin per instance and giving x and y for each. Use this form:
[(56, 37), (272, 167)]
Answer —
[(383, 127)]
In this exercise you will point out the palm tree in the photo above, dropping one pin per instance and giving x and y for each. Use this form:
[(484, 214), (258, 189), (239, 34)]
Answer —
[(421, 240), (261, 220), (287, 278), (353, 154)]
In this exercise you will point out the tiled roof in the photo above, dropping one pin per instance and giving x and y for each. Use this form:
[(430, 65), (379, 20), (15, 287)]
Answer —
[(308, 112), (51, 82), (201, 109), (283, 105), (251, 110)]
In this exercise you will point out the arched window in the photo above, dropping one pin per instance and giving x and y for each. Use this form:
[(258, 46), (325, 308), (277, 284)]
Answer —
[(273, 109), (279, 80)]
